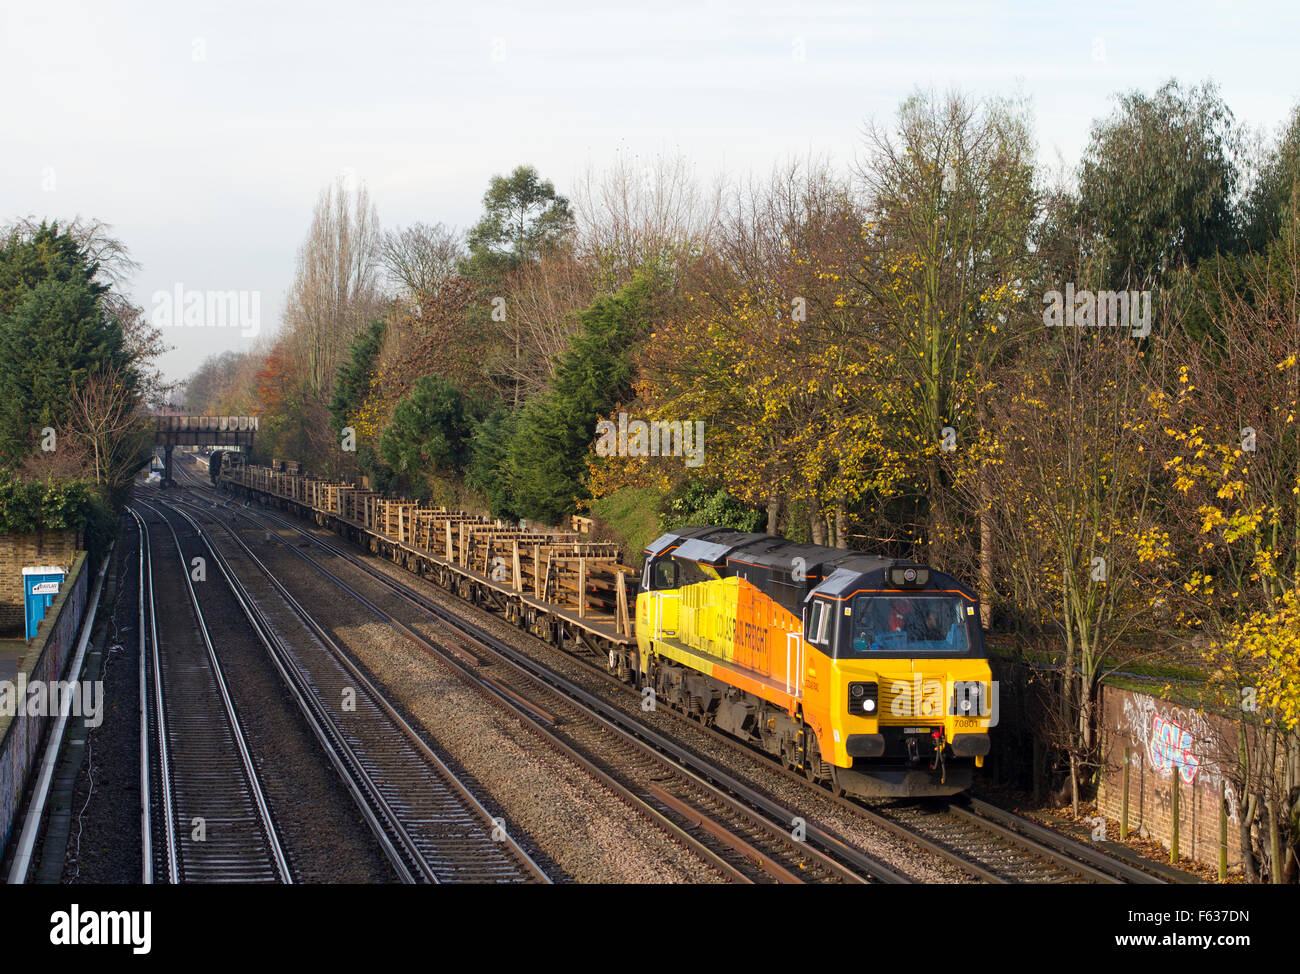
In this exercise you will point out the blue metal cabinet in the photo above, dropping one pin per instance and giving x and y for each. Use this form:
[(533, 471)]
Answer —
[(40, 587)]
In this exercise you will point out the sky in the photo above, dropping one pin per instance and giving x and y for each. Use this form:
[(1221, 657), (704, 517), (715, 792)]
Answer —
[(204, 132)]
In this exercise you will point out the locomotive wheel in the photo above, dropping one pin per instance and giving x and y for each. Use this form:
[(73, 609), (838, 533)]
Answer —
[(812, 756)]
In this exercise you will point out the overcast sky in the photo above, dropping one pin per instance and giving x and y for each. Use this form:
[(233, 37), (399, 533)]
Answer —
[(203, 132)]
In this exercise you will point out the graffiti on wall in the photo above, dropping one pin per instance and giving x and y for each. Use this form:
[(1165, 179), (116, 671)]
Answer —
[(1175, 740), (1170, 746)]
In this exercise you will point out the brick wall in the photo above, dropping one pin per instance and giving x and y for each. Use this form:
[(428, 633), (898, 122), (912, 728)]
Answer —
[(22, 736), (1168, 743), (18, 551)]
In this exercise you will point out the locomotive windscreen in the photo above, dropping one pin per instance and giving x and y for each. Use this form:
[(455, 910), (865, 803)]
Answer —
[(920, 625)]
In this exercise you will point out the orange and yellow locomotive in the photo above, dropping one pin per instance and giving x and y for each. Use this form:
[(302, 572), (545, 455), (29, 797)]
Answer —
[(864, 672)]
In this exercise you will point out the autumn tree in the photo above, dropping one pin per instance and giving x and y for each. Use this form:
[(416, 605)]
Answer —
[(211, 384), (1064, 467), (951, 199), (1255, 678), (293, 422), (1232, 445), (762, 350)]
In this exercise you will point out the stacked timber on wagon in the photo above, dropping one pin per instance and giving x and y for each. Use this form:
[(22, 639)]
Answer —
[(582, 579)]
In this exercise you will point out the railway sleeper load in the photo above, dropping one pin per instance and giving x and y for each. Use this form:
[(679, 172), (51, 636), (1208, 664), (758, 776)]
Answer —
[(867, 674)]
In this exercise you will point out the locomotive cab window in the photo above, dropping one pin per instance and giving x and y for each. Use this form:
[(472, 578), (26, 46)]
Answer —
[(665, 574), (924, 625)]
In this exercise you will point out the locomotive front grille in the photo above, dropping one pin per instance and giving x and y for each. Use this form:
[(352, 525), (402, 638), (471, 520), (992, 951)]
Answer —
[(907, 702)]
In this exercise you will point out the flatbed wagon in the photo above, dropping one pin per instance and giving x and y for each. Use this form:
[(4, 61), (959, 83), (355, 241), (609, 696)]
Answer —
[(570, 592)]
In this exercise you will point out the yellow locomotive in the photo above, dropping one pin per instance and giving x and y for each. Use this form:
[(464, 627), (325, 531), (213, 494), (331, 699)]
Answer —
[(864, 672)]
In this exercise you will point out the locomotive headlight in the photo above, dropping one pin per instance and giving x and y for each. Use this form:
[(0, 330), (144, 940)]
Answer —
[(862, 698), (908, 576), (968, 699)]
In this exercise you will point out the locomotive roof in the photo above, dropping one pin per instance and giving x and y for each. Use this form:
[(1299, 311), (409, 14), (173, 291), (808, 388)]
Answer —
[(676, 537), (830, 571), (713, 544), (709, 552)]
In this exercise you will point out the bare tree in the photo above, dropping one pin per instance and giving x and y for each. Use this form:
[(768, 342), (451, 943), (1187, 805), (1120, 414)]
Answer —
[(420, 259), (545, 299), (335, 289), (116, 266), (108, 423), (212, 382), (638, 211)]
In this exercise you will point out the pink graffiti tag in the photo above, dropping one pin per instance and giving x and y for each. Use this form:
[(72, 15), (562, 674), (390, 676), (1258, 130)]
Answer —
[(1171, 746)]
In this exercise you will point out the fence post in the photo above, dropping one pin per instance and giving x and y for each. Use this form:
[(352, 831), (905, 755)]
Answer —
[(1037, 769), (1223, 832), (1173, 835), (1123, 812), (582, 587), (623, 625)]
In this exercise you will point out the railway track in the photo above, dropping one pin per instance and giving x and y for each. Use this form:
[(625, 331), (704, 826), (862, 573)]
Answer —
[(746, 836), (208, 820), (429, 824), (1019, 829), (984, 849)]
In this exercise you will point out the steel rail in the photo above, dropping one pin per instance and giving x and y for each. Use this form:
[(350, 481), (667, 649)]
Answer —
[(253, 783)]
